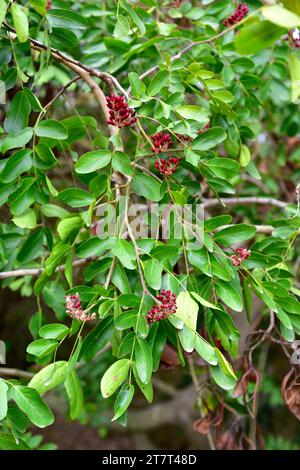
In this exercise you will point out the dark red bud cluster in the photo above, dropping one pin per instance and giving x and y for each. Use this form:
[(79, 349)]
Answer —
[(183, 139), (240, 13), (161, 142), (49, 5), (120, 114), (166, 307), (294, 37), (241, 254), (167, 167), (204, 128)]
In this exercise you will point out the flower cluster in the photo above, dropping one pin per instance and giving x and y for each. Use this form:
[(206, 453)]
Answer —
[(241, 254), (166, 307), (161, 142), (74, 309), (120, 114), (49, 5), (294, 37), (240, 13), (204, 128), (183, 139), (167, 167)]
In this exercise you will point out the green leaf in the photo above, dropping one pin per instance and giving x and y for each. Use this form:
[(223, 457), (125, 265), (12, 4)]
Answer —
[(187, 309), (18, 163), (225, 365), (75, 394), (223, 167), (235, 234), (159, 81), (3, 399), (97, 339), (125, 252), (114, 377), (3, 8), (294, 68), (122, 28), (247, 299), (123, 400), (203, 301), (51, 129), (187, 338), (135, 17), (153, 270), (209, 139), (293, 5), (50, 377), (147, 187), (42, 347), (256, 36), (121, 162), (245, 156), (229, 295), (224, 381), (65, 19), (193, 112), (30, 402), (54, 331), (18, 113), (62, 38), (20, 22), (163, 251), (76, 197), (205, 350), (138, 88), (69, 227), (25, 220), (17, 140), (39, 6), (146, 389), (8, 442), (92, 161), (143, 360), (281, 16)]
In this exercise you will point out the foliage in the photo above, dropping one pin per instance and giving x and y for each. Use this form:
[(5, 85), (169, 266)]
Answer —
[(227, 97)]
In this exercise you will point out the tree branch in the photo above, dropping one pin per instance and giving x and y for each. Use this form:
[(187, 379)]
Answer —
[(231, 201)]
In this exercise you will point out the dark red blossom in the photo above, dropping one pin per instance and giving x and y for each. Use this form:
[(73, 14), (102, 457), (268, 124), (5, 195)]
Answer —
[(204, 128), (240, 255), (241, 11), (167, 167), (294, 37), (161, 142), (120, 114), (74, 309), (183, 139), (166, 307), (49, 5)]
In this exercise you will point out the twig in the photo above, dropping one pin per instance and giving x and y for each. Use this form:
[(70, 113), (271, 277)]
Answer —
[(7, 372), (198, 395), (38, 271), (231, 201)]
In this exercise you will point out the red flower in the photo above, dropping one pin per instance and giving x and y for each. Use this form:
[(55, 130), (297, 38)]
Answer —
[(166, 307), (48, 5), (204, 128), (167, 167), (74, 309), (161, 142), (241, 254), (240, 13), (120, 114), (294, 37)]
